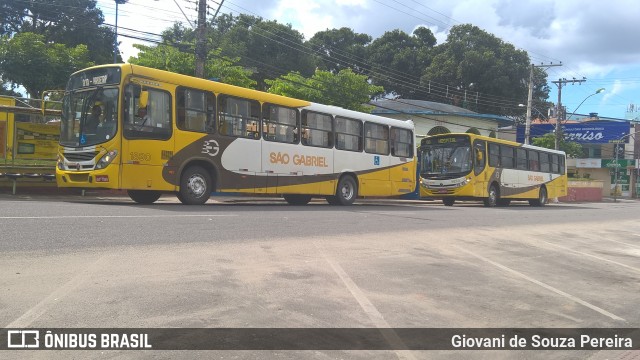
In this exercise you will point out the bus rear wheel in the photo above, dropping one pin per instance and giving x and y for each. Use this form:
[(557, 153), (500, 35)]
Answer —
[(144, 196), (542, 198), (494, 196), (347, 190), (195, 186), (296, 199), (448, 201)]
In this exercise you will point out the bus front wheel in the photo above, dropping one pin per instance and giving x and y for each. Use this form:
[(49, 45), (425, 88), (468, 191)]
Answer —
[(195, 186), (144, 196), (347, 190), (542, 198), (448, 201), (494, 196)]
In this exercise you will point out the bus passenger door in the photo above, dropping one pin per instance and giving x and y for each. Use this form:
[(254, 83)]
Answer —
[(147, 142), (479, 167)]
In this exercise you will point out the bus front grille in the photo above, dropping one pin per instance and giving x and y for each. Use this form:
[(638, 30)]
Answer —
[(80, 156)]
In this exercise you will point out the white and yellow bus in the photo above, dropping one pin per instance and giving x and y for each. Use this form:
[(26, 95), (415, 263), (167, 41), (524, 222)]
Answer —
[(473, 167), (152, 132)]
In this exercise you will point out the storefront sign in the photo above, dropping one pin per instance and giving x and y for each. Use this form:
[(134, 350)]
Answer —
[(590, 132)]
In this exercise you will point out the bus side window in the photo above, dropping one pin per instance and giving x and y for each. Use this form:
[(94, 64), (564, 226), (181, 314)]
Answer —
[(544, 162), (238, 117), (494, 155), (534, 160)]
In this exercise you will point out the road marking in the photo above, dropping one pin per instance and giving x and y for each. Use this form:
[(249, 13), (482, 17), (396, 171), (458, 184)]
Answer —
[(623, 243), (539, 283), (41, 308), (110, 216), (593, 256), (368, 307)]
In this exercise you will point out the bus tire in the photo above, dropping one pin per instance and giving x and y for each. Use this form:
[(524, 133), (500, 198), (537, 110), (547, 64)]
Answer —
[(347, 190), (494, 196), (448, 201), (297, 199), (144, 196), (195, 186), (543, 198), (332, 200)]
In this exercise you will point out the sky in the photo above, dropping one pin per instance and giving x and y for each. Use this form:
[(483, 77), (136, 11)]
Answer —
[(596, 40)]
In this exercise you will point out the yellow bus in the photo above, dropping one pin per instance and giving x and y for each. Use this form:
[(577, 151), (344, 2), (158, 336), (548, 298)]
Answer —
[(473, 167), (151, 132)]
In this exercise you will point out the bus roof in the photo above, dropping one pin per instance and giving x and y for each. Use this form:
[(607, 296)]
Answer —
[(501, 141), (219, 87)]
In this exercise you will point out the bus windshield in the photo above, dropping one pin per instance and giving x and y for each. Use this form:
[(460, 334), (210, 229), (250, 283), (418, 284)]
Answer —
[(446, 157), (89, 117)]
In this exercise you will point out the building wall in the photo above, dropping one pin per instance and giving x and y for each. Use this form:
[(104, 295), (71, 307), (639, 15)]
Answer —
[(455, 123)]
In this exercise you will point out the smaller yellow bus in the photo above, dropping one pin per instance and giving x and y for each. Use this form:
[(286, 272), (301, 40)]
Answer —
[(473, 167)]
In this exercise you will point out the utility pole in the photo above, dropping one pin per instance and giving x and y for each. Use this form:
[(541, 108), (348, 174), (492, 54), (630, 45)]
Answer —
[(201, 51), (527, 128), (559, 112)]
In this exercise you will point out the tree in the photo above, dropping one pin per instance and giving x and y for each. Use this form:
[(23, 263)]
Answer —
[(170, 58), (339, 49), (266, 45), (27, 59), (571, 148), (473, 56), (345, 89), (398, 58), (69, 22)]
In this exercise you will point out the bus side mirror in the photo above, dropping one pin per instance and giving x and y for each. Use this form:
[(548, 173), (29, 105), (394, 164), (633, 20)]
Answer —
[(144, 98)]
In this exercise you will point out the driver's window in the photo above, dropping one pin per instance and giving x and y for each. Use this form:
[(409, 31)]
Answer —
[(479, 156), (147, 113)]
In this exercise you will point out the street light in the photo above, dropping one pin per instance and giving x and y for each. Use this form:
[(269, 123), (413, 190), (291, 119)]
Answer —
[(585, 99), (115, 38)]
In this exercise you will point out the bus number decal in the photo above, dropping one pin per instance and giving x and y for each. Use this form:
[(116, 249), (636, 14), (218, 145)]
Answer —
[(536, 178), (138, 156), (210, 147)]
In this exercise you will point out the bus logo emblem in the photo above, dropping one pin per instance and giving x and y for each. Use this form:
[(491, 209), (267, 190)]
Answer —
[(210, 147)]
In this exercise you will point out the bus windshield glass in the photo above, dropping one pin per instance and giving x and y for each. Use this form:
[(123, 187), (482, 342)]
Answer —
[(445, 157), (89, 117)]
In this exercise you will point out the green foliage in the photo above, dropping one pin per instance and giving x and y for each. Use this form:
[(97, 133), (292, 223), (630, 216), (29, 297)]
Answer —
[(269, 47), (473, 56), (338, 49), (29, 60), (571, 148), (69, 22), (395, 56), (345, 89), (170, 58)]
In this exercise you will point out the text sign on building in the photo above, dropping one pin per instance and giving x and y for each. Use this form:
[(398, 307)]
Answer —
[(591, 132)]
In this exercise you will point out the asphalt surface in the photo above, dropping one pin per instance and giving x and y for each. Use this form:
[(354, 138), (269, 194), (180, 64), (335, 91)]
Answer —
[(237, 262)]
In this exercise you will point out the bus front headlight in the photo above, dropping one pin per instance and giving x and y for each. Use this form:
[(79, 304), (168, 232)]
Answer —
[(60, 162), (106, 159)]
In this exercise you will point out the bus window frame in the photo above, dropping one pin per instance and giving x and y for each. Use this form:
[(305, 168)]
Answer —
[(376, 139), (337, 133), (210, 113), (133, 131), (266, 122), (306, 130), (394, 140), (256, 134), (479, 145)]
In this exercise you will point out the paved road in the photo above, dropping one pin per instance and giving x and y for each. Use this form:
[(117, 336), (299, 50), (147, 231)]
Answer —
[(106, 262)]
